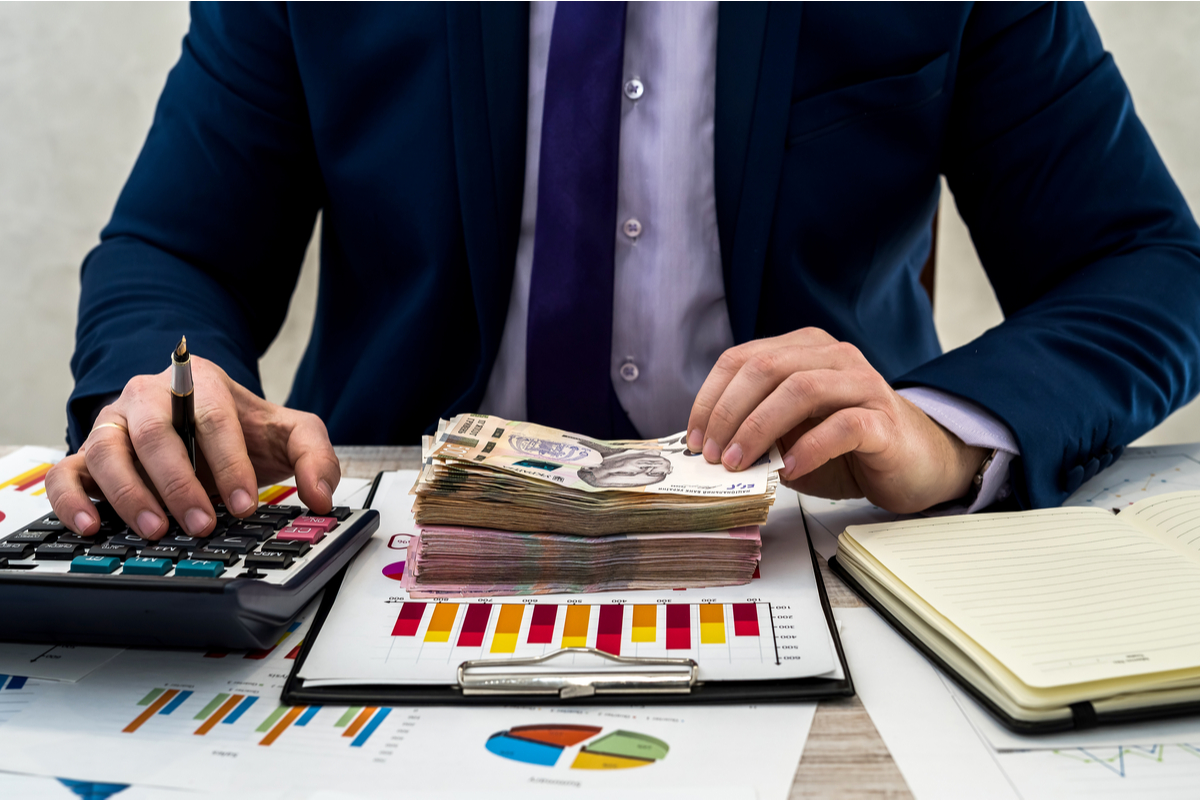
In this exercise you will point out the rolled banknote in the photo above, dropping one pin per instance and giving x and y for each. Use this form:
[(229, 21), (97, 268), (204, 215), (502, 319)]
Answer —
[(573, 461), (486, 472)]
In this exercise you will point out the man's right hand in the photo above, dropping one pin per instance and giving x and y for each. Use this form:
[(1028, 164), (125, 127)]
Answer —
[(134, 458)]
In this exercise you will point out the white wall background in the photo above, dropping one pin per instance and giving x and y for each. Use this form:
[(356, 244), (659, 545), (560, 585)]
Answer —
[(78, 84)]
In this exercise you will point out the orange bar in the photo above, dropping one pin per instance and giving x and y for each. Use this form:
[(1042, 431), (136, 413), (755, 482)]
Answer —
[(219, 714), (359, 721), (282, 725), (273, 494), (575, 629), (151, 710)]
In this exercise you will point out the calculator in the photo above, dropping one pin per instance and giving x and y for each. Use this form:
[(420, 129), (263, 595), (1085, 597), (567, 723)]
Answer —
[(240, 587)]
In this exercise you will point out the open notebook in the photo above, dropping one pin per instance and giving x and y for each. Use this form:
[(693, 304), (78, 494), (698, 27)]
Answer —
[(1054, 619)]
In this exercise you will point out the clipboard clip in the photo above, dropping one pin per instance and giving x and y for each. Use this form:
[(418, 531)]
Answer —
[(619, 675)]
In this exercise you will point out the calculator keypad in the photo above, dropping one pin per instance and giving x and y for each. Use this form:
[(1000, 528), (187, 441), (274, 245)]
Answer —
[(268, 545)]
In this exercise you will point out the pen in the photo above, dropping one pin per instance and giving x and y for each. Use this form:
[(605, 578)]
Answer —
[(183, 401)]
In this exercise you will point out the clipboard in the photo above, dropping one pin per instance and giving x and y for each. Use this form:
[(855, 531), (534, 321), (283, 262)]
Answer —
[(544, 679)]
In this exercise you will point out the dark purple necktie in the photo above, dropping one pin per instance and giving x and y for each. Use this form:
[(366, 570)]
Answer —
[(569, 333)]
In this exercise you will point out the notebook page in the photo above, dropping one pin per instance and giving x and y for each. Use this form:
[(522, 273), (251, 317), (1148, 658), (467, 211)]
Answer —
[(1060, 596), (1173, 518)]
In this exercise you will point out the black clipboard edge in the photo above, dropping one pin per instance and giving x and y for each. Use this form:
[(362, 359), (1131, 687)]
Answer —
[(787, 690), (1021, 726)]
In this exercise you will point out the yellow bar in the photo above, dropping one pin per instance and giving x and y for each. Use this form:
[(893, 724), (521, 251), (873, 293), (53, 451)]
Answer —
[(575, 629), (28, 475), (508, 626), (442, 622), (645, 621), (712, 623)]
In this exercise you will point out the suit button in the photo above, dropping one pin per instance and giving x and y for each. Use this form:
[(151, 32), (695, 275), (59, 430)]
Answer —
[(1072, 479), (632, 228), (634, 89), (629, 372)]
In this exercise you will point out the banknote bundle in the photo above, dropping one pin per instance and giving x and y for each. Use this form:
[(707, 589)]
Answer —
[(481, 471), (471, 562)]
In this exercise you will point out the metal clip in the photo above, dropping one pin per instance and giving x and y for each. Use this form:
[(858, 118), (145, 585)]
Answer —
[(630, 675)]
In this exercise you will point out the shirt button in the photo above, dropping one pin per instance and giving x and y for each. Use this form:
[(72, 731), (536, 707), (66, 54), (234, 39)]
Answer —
[(629, 372), (634, 88), (632, 228)]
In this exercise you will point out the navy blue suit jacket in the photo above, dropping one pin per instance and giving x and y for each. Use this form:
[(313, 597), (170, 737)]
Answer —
[(405, 125)]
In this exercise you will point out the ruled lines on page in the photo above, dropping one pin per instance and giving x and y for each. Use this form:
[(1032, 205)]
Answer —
[(1060, 596)]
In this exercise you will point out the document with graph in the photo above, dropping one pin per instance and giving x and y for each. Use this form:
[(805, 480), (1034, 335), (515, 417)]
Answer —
[(774, 633)]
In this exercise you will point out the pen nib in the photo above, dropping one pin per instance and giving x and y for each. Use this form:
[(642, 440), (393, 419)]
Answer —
[(181, 352)]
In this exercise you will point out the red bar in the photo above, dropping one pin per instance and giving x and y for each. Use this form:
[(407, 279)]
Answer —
[(541, 627), (608, 630), (679, 627), (409, 619), (475, 625), (216, 654), (295, 651), (756, 575), (745, 619)]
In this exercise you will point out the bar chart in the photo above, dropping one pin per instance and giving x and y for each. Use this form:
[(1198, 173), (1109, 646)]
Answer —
[(439, 636), (356, 723)]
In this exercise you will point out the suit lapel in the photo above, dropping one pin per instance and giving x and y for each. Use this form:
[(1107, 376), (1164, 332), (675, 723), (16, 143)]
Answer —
[(756, 59), (488, 66)]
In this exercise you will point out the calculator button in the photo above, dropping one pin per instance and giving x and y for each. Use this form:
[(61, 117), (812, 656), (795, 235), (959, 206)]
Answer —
[(15, 550), (47, 523), (226, 557), (118, 551), (238, 544), (146, 566), (275, 521), (130, 540), (287, 511), (296, 534), (171, 553), (74, 538), (269, 559), (99, 565), (294, 548), (53, 551), (323, 523), (32, 537), (191, 568), (181, 541), (254, 530)]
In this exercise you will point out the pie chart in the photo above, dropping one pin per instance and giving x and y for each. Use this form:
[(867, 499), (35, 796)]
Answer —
[(395, 570), (544, 746)]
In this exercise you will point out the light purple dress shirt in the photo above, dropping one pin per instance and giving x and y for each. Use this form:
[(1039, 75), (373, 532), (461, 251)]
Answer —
[(670, 319)]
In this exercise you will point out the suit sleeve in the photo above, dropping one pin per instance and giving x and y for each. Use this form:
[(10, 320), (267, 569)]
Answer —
[(1089, 246), (210, 230)]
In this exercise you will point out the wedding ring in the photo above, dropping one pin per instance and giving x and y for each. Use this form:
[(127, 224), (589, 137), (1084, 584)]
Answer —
[(116, 425)]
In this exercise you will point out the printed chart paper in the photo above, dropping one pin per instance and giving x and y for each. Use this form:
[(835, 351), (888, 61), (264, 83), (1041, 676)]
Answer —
[(772, 627), (941, 755), (212, 721)]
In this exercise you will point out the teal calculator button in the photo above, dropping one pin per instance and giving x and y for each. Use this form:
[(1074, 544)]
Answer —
[(104, 565), (147, 566), (191, 568)]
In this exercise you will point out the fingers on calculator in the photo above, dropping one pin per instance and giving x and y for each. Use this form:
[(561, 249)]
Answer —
[(273, 538)]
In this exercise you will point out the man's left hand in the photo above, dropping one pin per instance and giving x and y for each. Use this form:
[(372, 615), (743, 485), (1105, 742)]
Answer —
[(843, 430)]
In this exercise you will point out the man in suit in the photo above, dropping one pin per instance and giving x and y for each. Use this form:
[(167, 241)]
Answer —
[(733, 206)]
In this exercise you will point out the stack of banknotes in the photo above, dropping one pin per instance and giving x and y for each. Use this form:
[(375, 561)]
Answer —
[(516, 508)]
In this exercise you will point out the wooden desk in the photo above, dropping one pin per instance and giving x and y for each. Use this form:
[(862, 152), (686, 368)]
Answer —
[(844, 758)]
